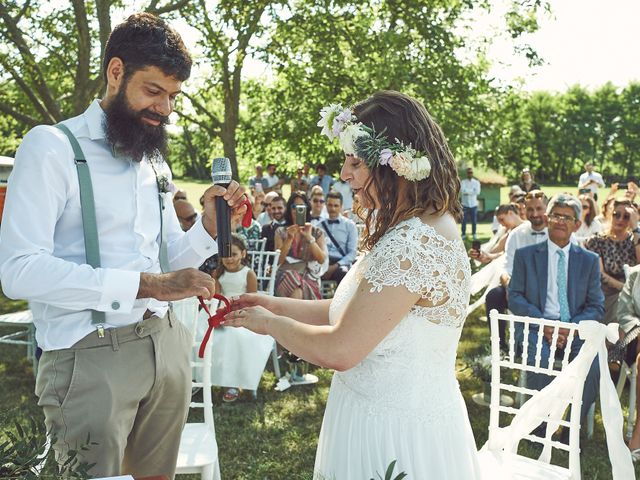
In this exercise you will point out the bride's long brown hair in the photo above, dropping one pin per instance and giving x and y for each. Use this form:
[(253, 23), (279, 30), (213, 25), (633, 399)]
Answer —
[(404, 118)]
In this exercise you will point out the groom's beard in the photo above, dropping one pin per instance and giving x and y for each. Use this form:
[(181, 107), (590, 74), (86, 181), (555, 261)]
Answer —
[(129, 135)]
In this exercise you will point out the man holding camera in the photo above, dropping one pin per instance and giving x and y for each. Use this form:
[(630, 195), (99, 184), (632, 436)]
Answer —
[(342, 237), (590, 180)]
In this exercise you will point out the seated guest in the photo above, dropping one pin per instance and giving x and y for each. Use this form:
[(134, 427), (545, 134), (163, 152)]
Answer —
[(558, 280), (606, 209), (257, 203), (353, 213), (343, 189), (318, 208), (533, 231), (628, 313), (187, 215), (322, 179), (258, 183), (250, 233), (180, 195), (616, 245), (269, 230), (265, 217), (303, 250), (508, 216), (342, 239), (590, 224), (299, 183)]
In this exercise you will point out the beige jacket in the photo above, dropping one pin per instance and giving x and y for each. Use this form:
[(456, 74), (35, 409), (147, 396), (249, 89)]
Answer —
[(629, 301)]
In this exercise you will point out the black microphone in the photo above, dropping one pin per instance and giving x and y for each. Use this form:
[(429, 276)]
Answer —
[(221, 175)]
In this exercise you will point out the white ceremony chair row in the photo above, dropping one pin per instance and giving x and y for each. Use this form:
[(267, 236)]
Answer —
[(498, 457)]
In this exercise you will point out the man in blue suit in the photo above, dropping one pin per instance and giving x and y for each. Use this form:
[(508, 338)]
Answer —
[(558, 280)]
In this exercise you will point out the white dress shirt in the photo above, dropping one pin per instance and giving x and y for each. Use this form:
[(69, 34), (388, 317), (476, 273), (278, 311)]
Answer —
[(521, 236), (595, 176), (42, 255), (470, 189), (552, 304)]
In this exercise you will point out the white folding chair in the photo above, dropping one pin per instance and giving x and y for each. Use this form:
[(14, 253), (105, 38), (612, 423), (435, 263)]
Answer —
[(198, 447), (24, 335), (500, 456), (630, 372), (265, 265), (256, 245)]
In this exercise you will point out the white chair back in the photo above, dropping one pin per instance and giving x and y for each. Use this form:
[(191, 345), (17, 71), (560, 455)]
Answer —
[(265, 266), (257, 245), (198, 446), (502, 369)]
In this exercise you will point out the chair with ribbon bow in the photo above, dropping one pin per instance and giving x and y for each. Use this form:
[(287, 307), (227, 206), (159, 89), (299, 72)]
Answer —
[(499, 458), (198, 447)]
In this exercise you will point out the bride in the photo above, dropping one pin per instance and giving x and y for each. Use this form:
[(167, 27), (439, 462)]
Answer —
[(392, 329)]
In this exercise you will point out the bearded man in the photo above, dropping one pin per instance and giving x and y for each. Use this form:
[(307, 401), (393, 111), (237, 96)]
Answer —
[(98, 275)]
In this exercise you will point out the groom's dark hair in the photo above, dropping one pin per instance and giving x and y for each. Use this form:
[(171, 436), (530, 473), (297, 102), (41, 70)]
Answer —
[(144, 40)]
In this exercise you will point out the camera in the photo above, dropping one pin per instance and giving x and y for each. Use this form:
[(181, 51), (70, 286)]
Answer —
[(301, 215)]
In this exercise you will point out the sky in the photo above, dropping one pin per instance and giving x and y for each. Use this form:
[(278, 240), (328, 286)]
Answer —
[(583, 41)]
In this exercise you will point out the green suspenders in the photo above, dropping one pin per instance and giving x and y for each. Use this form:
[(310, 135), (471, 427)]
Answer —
[(89, 224)]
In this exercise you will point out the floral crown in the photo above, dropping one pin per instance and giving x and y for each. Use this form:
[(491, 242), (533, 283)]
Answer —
[(374, 148)]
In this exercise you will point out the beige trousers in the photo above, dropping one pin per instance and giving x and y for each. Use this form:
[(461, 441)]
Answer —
[(128, 391)]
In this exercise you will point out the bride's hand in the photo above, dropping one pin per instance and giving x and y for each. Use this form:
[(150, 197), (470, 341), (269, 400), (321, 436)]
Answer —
[(255, 319), (252, 300)]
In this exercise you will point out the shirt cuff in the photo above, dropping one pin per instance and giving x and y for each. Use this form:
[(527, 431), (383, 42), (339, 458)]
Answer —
[(119, 290), (201, 241)]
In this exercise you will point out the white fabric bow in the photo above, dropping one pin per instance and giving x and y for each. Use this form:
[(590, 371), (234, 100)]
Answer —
[(552, 401)]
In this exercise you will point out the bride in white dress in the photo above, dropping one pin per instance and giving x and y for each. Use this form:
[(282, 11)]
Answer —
[(392, 329)]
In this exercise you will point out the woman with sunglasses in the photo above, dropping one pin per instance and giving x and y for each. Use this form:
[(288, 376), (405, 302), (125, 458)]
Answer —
[(590, 224), (617, 245)]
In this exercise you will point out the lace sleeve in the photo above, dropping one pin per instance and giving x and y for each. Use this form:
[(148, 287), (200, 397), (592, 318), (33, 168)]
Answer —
[(415, 256)]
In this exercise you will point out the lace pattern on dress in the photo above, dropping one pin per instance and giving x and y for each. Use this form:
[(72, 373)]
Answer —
[(414, 255)]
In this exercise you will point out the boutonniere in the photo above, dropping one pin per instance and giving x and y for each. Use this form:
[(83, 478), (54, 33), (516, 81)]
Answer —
[(164, 185)]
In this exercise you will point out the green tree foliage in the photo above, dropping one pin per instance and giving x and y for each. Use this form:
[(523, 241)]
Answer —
[(338, 51), (555, 134)]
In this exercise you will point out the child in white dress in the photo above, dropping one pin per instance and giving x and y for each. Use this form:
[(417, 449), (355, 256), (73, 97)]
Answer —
[(233, 277)]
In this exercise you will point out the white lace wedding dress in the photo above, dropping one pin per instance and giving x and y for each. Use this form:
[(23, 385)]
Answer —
[(403, 402)]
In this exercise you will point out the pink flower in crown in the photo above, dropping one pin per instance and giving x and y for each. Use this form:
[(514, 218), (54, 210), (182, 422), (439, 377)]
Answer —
[(385, 156), (401, 164)]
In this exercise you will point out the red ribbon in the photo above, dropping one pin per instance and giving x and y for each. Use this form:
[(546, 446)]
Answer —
[(214, 320), (248, 215)]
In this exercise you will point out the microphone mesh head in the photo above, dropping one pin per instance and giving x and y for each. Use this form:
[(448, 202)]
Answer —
[(221, 170)]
